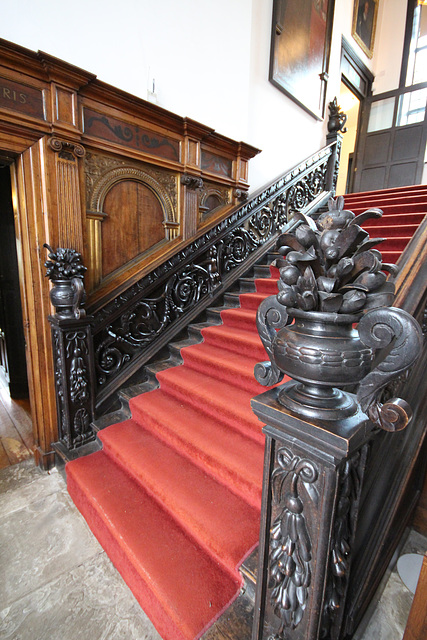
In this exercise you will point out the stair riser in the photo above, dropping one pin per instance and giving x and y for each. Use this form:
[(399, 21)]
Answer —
[(237, 318), (393, 231), (267, 286), (246, 347), (248, 301), (394, 244), (395, 220), (404, 212), (409, 191), (224, 469), (240, 418), (242, 378), (181, 503)]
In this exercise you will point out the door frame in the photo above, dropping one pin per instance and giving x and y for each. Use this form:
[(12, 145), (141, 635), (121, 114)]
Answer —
[(356, 76), (396, 94)]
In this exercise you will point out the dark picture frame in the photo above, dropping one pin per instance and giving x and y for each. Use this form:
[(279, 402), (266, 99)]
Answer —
[(300, 51), (365, 14)]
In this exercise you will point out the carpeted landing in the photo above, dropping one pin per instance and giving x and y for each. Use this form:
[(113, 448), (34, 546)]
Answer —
[(174, 496)]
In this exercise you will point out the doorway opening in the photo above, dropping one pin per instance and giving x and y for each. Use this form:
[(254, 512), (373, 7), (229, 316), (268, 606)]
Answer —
[(16, 434), (350, 104), (356, 87)]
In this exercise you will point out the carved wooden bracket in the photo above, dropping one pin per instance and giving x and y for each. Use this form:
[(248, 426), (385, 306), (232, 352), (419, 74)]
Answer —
[(192, 182), (60, 146)]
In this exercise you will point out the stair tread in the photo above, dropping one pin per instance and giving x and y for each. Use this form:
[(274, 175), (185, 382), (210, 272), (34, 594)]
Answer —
[(251, 300), (227, 453), (216, 362), (174, 578), (207, 509), (235, 339), (217, 398)]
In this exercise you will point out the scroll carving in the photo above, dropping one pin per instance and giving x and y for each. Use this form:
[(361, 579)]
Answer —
[(228, 245), (381, 328), (290, 543), (192, 182), (271, 316), (67, 148)]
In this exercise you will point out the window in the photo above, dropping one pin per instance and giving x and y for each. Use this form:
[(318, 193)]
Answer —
[(417, 60)]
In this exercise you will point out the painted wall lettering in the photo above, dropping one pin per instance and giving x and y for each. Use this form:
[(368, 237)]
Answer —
[(19, 97)]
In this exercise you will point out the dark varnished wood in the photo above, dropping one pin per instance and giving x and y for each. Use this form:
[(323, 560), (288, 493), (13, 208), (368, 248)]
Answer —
[(51, 115), (376, 497)]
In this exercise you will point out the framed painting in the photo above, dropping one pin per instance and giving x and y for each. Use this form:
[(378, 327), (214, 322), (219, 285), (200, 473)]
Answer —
[(364, 24), (300, 51)]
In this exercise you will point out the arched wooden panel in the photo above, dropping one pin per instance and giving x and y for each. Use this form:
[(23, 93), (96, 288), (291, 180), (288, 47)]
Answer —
[(133, 224)]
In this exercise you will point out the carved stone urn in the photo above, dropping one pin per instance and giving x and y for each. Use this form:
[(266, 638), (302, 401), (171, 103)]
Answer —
[(331, 319)]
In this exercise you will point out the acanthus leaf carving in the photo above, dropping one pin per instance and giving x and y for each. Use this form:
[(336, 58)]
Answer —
[(379, 329)]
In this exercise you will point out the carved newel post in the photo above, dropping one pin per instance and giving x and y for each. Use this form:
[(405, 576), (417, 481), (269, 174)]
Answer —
[(325, 328), (336, 127), (72, 347)]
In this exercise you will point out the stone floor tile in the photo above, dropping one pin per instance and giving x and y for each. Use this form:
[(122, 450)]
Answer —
[(39, 542), (390, 616), (90, 602), (24, 483)]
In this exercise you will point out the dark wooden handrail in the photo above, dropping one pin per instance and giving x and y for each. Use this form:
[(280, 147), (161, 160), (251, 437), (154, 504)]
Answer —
[(118, 336), (411, 281)]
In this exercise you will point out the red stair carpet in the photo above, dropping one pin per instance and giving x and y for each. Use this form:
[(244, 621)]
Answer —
[(174, 496), (403, 210)]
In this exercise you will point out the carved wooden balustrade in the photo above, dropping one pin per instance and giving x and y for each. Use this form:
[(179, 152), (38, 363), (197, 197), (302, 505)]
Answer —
[(95, 354), (339, 486)]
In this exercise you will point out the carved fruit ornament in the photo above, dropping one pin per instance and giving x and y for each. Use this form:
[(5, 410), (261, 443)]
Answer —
[(331, 318), (65, 270)]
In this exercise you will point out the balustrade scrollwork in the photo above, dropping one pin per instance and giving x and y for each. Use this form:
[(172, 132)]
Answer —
[(138, 318), (115, 340)]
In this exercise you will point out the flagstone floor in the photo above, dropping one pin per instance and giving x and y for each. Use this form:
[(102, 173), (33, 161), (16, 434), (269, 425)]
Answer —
[(58, 584)]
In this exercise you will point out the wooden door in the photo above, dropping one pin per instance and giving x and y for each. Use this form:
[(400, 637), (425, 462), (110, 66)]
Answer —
[(393, 138)]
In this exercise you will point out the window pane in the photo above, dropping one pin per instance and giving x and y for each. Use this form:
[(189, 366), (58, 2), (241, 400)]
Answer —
[(412, 107), (417, 67), (381, 116)]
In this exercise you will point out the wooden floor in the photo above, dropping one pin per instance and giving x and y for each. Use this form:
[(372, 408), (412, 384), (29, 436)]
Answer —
[(16, 429)]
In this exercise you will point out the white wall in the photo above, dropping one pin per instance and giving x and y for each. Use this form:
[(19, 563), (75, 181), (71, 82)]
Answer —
[(387, 59), (209, 58)]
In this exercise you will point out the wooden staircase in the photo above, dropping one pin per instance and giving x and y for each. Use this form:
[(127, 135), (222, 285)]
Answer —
[(158, 433)]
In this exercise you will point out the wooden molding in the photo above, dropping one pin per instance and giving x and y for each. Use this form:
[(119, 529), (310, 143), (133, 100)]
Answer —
[(45, 104)]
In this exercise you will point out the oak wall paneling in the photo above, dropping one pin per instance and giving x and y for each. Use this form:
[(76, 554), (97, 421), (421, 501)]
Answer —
[(171, 179)]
